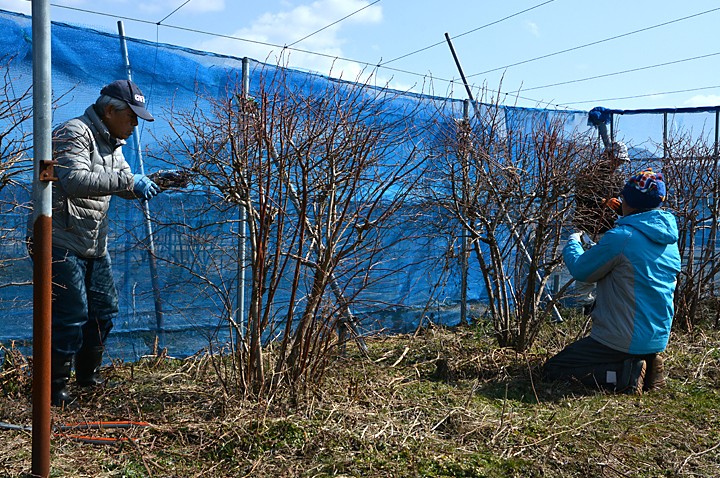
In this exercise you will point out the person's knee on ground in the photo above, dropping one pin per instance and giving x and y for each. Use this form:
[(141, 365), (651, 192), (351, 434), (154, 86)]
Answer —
[(598, 376)]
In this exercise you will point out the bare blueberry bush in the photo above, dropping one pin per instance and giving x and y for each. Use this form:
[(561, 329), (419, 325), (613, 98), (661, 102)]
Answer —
[(690, 166), (508, 185), (15, 167), (314, 178)]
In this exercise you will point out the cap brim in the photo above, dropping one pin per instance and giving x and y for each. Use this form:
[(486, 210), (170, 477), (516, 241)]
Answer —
[(142, 112)]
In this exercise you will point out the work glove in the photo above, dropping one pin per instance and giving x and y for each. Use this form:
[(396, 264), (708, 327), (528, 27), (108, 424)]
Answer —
[(586, 240), (144, 188), (613, 203), (576, 236)]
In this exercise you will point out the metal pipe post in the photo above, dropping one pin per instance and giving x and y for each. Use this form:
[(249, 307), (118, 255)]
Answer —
[(665, 135), (154, 278), (464, 244), (42, 237), (242, 226), (715, 198)]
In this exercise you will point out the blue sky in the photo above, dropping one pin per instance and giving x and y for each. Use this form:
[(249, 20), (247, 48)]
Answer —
[(535, 53)]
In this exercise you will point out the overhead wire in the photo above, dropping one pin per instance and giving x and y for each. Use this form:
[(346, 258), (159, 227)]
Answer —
[(639, 96), (173, 12), (622, 72), (273, 45), (652, 27), (466, 33), (333, 23), (383, 64)]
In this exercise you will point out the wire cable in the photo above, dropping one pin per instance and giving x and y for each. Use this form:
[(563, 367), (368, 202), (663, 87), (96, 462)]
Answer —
[(333, 23), (596, 42), (639, 96), (382, 65), (173, 12), (622, 72), (466, 33)]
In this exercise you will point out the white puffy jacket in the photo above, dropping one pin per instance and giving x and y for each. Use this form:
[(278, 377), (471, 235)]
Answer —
[(91, 169)]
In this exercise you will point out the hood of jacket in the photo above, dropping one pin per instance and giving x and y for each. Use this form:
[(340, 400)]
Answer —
[(657, 225)]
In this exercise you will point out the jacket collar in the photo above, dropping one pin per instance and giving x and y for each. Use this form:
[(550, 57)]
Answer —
[(101, 129)]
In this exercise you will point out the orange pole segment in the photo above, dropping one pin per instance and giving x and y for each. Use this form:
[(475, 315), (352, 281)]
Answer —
[(42, 326)]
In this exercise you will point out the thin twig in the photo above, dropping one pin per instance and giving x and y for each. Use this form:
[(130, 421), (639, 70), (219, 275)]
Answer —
[(695, 455)]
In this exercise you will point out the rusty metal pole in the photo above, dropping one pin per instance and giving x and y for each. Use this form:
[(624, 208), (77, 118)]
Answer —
[(464, 239), (42, 237)]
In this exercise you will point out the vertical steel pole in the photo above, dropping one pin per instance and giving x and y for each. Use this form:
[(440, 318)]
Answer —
[(154, 278), (715, 198), (665, 135), (242, 227), (464, 244), (521, 244), (42, 237)]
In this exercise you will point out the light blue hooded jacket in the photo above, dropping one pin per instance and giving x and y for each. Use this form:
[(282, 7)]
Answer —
[(635, 265)]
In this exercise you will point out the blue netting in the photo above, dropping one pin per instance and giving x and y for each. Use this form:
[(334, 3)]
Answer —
[(178, 79)]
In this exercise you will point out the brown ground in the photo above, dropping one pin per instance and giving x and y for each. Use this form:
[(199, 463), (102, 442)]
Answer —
[(445, 403)]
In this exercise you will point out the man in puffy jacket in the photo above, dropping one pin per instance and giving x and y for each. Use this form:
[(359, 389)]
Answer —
[(91, 169), (635, 265)]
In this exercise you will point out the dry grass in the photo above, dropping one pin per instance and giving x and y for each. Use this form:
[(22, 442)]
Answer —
[(446, 403)]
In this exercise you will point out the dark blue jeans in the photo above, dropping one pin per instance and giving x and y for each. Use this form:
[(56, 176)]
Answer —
[(85, 301), (589, 362)]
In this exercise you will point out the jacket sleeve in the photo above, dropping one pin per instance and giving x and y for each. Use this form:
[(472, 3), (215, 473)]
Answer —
[(595, 263), (127, 193), (73, 151)]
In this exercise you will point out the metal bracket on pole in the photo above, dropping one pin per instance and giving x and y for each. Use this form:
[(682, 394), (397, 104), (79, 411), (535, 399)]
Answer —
[(47, 171)]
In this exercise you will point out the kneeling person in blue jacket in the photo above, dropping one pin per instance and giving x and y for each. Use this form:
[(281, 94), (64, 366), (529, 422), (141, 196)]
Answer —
[(635, 265)]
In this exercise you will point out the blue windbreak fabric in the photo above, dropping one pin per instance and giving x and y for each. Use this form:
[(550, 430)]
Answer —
[(175, 79)]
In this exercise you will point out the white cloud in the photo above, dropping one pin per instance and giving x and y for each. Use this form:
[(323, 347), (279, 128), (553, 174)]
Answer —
[(703, 100), (533, 28), (288, 26)]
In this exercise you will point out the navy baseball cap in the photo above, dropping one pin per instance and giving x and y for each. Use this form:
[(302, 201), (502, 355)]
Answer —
[(129, 92)]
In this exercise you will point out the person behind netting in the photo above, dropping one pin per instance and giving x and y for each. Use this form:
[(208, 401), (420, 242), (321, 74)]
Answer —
[(91, 169), (635, 265), (597, 206)]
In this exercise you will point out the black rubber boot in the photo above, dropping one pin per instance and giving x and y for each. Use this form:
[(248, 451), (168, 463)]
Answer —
[(61, 366), (87, 366)]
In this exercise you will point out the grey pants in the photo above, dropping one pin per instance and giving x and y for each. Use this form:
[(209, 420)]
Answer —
[(594, 365)]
